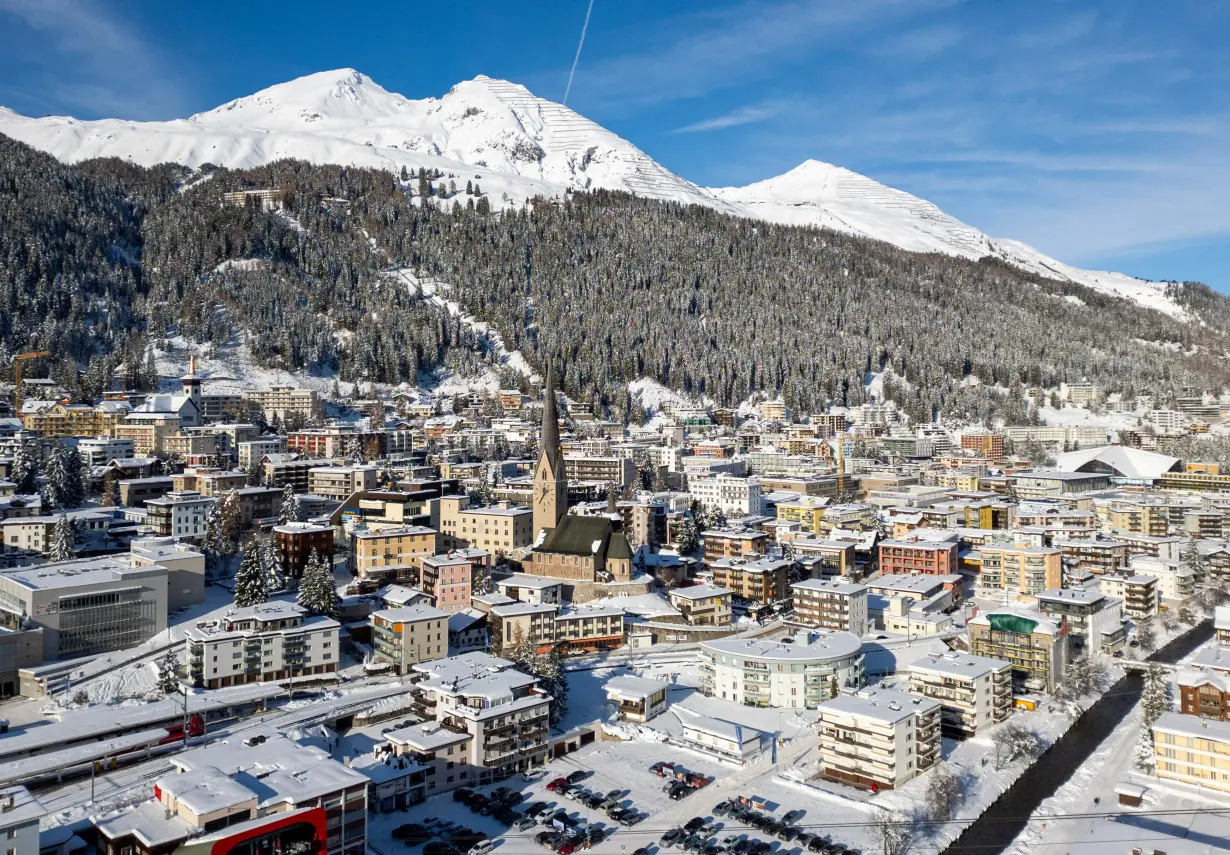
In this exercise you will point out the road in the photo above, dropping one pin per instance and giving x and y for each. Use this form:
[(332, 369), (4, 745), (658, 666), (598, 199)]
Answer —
[(998, 826)]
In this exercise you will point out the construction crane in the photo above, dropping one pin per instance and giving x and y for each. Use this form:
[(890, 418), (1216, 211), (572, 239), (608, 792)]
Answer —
[(19, 371)]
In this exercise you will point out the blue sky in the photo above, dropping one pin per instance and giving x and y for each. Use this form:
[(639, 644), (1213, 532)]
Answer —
[(1099, 132)]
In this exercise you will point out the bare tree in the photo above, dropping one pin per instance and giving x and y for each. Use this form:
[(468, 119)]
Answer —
[(1146, 635), (1014, 741), (945, 793), (895, 832)]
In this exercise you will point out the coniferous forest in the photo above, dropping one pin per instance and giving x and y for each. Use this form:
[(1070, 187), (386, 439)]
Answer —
[(100, 261)]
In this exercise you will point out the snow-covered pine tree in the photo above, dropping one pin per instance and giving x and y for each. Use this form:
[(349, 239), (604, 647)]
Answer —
[(63, 539), (1154, 700), (354, 451), (1193, 560), (275, 574), (212, 542), (317, 591), (168, 674), (24, 471), (688, 540), (555, 681), (231, 526), (59, 487), (251, 588), (290, 510)]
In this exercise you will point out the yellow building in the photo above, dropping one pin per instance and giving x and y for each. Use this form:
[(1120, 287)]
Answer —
[(391, 554), (57, 419), (807, 511), (148, 431), (1193, 750)]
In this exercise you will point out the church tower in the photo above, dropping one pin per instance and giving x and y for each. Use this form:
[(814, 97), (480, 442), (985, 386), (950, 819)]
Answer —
[(550, 483)]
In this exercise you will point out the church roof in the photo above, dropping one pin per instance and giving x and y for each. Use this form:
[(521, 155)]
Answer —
[(548, 439), (577, 535)]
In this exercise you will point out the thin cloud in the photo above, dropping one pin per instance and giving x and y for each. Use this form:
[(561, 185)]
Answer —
[(742, 116), (85, 58)]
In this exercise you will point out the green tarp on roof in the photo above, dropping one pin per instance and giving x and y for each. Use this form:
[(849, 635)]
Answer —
[(1011, 623)]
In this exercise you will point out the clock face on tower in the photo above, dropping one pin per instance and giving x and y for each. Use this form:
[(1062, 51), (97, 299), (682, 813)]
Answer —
[(546, 488)]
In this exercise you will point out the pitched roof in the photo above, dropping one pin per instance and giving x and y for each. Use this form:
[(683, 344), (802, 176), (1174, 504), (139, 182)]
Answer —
[(548, 439), (578, 535)]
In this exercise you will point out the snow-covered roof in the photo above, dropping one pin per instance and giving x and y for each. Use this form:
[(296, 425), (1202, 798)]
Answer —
[(1135, 463), (821, 646), (524, 580), (835, 586), (411, 613), (1221, 617), (963, 665), (632, 687), (699, 592), (1190, 725), (737, 733), (883, 705)]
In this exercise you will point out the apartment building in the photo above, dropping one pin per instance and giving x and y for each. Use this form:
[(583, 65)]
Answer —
[(270, 641), (447, 578), (878, 739), (918, 557), (278, 470), (280, 402), (1095, 619), (973, 692), (391, 554), (764, 673), (830, 604), (1036, 646), (37, 534), (148, 432), (702, 605), (1020, 571), (762, 580), (296, 541), (726, 543), (1192, 750), (1205, 694), (87, 606), (251, 452), (179, 514), (20, 813), (1137, 591), (535, 590), (209, 481), (495, 528), (1176, 582), (503, 712), (826, 558), (101, 450), (409, 635), (546, 626), (336, 442), (600, 470), (806, 510), (731, 495), (988, 445), (1094, 554), (60, 420), (341, 482)]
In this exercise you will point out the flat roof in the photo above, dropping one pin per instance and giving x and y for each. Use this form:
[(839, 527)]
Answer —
[(411, 613), (1190, 725), (80, 572), (1079, 594), (525, 580), (836, 586), (884, 705), (963, 665), (699, 592), (830, 645), (427, 736)]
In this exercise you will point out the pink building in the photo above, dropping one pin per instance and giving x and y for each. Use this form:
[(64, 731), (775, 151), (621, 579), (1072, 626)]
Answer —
[(448, 578)]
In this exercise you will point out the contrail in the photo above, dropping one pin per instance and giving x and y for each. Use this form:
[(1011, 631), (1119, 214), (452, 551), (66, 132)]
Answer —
[(580, 44)]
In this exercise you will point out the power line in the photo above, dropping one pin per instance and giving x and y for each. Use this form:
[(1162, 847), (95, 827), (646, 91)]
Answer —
[(577, 58)]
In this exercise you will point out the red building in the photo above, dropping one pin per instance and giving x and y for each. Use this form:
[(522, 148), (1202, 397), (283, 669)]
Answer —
[(917, 558), (297, 540)]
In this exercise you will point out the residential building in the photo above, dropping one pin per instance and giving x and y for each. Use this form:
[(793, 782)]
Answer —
[(1192, 750), (467, 632), (278, 470), (1036, 646), (806, 510), (495, 528), (636, 699), (535, 590), (878, 739), (271, 641), (61, 420), (1098, 555), (728, 543), (830, 604), (702, 605), (1176, 582), (148, 432), (87, 606), (917, 557), (447, 578), (391, 554), (620, 471), (341, 482), (20, 813), (1138, 593), (250, 453), (973, 692), (731, 495), (1205, 694), (409, 635), (101, 450), (1051, 483), (179, 514), (937, 593), (296, 541), (761, 580), (1095, 620), (281, 402), (763, 673), (1021, 571)]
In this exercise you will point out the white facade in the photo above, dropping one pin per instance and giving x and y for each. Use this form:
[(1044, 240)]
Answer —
[(830, 604), (973, 692), (99, 451), (772, 674), (20, 813), (731, 495), (880, 738), (179, 514), (1175, 580), (271, 641)]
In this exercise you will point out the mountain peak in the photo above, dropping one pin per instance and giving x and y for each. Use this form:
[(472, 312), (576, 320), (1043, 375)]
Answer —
[(342, 93)]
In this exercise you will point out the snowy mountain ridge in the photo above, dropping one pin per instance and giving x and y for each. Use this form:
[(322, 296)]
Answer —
[(517, 145)]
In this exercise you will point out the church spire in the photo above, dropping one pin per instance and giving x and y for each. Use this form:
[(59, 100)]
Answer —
[(548, 438)]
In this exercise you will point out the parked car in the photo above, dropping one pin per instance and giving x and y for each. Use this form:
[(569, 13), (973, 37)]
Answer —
[(721, 809), (557, 786), (663, 770), (819, 843), (670, 837), (693, 824), (678, 792), (525, 823), (482, 847), (535, 808), (578, 775), (629, 818), (787, 833), (642, 851), (594, 836), (549, 839)]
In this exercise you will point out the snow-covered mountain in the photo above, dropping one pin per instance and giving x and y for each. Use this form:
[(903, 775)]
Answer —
[(517, 145)]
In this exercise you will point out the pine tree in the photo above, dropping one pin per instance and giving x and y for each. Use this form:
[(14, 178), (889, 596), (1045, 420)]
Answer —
[(63, 539), (168, 674), (212, 542), (64, 484), (688, 540), (251, 588), (111, 491), (231, 526), (24, 472), (271, 561), (290, 510), (317, 590), (354, 451), (1194, 560), (1154, 700)]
